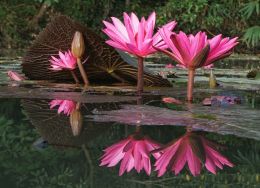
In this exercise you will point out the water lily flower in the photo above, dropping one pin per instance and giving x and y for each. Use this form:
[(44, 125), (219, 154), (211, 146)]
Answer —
[(197, 51), (193, 149), (136, 37), (171, 100), (133, 152), (65, 61), (65, 106), (15, 76)]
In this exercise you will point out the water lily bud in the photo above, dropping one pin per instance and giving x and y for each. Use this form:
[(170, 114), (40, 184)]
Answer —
[(78, 45), (212, 80), (76, 122)]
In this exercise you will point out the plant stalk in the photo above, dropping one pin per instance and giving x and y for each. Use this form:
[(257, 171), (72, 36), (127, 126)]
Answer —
[(191, 73), (82, 72), (74, 76), (140, 75)]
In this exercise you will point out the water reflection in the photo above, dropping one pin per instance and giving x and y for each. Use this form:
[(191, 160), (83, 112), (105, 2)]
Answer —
[(65, 106), (77, 158), (67, 129), (133, 152), (195, 150)]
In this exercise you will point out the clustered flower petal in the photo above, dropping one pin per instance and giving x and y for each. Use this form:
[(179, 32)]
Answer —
[(65, 61), (135, 36), (196, 51), (132, 152)]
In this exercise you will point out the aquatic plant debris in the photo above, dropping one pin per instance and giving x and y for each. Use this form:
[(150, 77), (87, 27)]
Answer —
[(15, 76), (221, 101)]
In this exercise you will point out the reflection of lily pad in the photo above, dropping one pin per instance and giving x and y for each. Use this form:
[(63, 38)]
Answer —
[(174, 107), (238, 120), (205, 116)]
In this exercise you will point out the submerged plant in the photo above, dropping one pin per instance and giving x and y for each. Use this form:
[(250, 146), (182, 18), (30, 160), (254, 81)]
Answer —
[(136, 37), (193, 149), (194, 52)]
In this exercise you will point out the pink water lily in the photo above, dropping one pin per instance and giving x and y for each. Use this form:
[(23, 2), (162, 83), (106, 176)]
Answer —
[(15, 76), (136, 37), (133, 152), (195, 51), (65, 61), (65, 106), (193, 149)]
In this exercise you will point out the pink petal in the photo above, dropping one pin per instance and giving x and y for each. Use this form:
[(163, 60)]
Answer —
[(120, 28), (210, 165), (193, 162), (15, 76), (134, 22)]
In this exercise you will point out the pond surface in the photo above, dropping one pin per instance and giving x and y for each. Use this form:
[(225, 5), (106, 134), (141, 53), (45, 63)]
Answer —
[(41, 148)]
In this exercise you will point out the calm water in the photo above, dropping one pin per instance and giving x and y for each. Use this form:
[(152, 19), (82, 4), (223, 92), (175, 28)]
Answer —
[(41, 148)]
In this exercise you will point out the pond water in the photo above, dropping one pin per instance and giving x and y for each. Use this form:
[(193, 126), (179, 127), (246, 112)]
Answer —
[(41, 148)]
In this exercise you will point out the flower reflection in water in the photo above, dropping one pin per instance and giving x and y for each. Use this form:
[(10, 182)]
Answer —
[(133, 152), (65, 106), (194, 149)]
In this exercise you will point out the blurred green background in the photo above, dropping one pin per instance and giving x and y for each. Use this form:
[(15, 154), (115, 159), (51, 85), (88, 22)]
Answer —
[(22, 20)]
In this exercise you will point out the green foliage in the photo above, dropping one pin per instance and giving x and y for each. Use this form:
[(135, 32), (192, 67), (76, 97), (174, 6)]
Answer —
[(250, 12), (250, 8), (231, 18), (252, 36)]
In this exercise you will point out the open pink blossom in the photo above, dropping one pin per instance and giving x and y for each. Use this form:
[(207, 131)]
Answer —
[(133, 152), (134, 36), (193, 149), (65, 61), (65, 106), (15, 76), (196, 51)]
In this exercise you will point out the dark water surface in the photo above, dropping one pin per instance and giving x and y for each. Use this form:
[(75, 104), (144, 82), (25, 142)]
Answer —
[(38, 148)]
